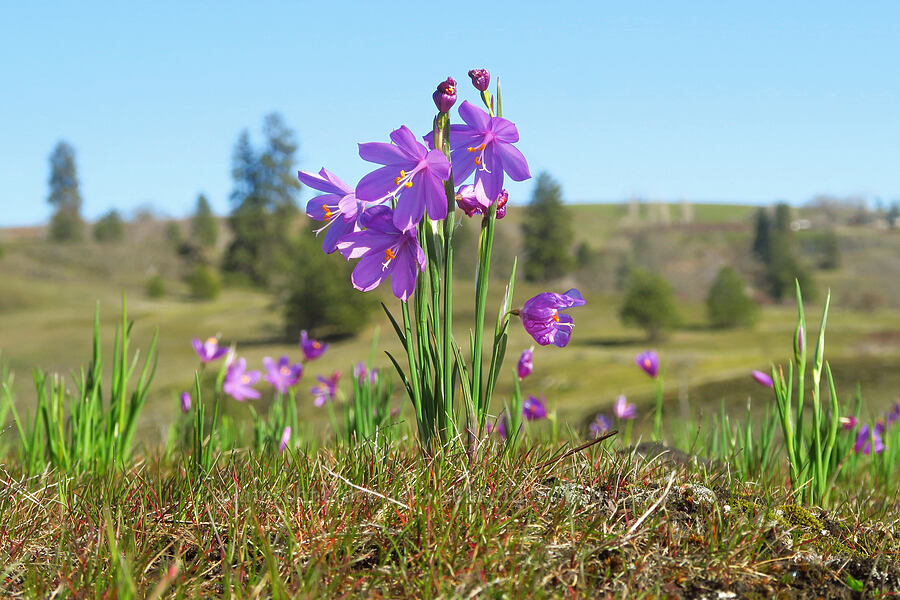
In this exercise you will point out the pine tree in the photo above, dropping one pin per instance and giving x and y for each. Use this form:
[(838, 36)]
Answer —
[(65, 197), (204, 228), (762, 241), (547, 233)]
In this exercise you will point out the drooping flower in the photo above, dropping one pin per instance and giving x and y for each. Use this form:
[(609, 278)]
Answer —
[(848, 423), (312, 349), (502, 199), (469, 202), (185, 402), (337, 207), (649, 362), (526, 363), (385, 250), (599, 426), (445, 95), (543, 320), (239, 382), (481, 78), (762, 378), (326, 389), (209, 350), (484, 145), (534, 408), (412, 174), (285, 438), (623, 409), (868, 441), (282, 375)]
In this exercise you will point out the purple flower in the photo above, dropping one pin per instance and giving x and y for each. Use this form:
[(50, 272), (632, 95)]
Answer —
[(623, 409), (326, 389), (894, 414), (599, 426), (312, 349), (526, 363), (848, 423), (285, 438), (469, 202), (385, 250), (337, 207), (360, 372), (868, 440), (649, 362), (445, 95), (481, 78), (499, 427), (543, 321), (209, 350), (534, 408), (762, 378), (412, 174), (502, 199), (185, 402), (239, 382), (282, 375), (484, 145)]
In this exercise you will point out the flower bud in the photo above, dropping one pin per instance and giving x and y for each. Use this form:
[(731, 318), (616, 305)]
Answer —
[(502, 199), (445, 95), (185, 402), (466, 200), (526, 363), (481, 78)]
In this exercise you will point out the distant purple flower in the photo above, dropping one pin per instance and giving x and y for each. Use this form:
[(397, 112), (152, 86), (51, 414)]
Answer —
[(868, 440), (285, 438), (337, 207), (623, 409), (363, 375), (599, 426), (326, 389), (502, 199), (534, 408), (543, 320), (894, 414), (412, 174), (481, 78), (282, 375), (239, 382), (209, 350), (526, 363), (762, 378), (185, 402), (445, 95), (312, 349), (499, 427), (649, 362), (848, 423), (484, 145), (385, 250), (469, 202)]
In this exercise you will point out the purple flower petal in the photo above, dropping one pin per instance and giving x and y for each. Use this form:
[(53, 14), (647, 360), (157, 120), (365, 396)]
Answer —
[(377, 184), (474, 116), (382, 153), (513, 162), (407, 142)]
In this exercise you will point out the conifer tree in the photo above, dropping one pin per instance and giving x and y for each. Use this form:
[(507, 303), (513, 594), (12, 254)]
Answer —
[(547, 233), (204, 228), (66, 223)]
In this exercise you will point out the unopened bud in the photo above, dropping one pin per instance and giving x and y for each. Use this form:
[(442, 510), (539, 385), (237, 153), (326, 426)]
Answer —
[(481, 78), (185, 402), (502, 199), (445, 95)]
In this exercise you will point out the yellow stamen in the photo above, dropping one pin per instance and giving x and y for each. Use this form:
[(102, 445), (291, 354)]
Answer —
[(317, 345), (285, 371), (398, 179), (328, 213), (408, 184), (556, 318), (212, 340), (245, 379), (647, 363), (389, 255), (477, 160), (478, 149)]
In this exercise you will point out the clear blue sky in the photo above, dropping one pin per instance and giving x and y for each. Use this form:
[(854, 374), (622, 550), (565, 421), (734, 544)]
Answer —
[(703, 100)]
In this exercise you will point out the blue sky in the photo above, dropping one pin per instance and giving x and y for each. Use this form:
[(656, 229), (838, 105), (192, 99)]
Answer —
[(701, 100)]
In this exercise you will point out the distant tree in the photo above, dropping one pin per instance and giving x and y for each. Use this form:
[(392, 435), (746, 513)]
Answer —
[(109, 228), (264, 206), (829, 251), (762, 240), (155, 287), (173, 233), (318, 295), (204, 283), (204, 228), (784, 268), (782, 222), (893, 215), (649, 303), (584, 255), (66, 223), (547, 233), (727, 302)]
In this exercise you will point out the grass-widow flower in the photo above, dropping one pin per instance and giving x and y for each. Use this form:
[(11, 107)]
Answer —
[(484, 146), (239, 382), (209, 350), (469, 202), (502, 199), (762, 378), (599, 426), (868, 441), (285, 438), (326, 389), (526, 363), (534, 408), (623, 409), (312, 349), (411, 173), (649, 362), (481, 79), (543, 320), (445, 95), (185, 402), (499, 427), (282, 375), (385, 250), (848, 423), (337, 207)]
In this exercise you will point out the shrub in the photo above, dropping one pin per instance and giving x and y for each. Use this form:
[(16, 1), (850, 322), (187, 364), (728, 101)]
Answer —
[(649, 303), (727, 303), (155, 287), (204, 283), (109, 228)]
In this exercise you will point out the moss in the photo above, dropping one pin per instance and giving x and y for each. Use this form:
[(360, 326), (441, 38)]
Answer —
[(808, 528)]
